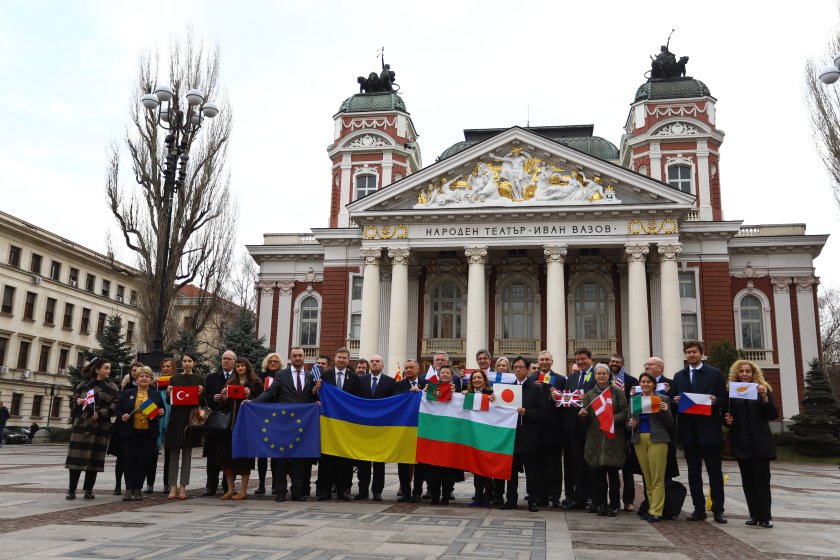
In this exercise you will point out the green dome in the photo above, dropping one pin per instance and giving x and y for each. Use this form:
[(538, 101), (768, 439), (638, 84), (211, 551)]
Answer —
[(365, 102), (672, 88), (588, 144)]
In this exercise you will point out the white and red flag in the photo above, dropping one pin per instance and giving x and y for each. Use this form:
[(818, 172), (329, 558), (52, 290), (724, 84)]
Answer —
[(89, 399), (603, 408)]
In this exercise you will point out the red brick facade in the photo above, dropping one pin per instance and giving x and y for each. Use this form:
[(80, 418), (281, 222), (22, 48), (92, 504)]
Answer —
[(335, 291)]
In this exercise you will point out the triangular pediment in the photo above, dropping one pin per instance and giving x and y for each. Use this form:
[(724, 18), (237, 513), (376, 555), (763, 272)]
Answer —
[(516, 171)]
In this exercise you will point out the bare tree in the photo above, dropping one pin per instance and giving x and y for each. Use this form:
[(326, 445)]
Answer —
[(829, 301), (242, 283), (203, 215), (824, 107)]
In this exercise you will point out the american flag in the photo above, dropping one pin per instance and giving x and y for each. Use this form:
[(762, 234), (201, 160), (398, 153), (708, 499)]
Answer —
[(619, 380), (567, 399)]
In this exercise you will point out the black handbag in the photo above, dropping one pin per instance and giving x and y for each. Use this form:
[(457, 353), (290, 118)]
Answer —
[(218, 422)]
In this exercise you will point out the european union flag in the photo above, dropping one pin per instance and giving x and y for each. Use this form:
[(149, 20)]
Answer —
[(290, 431)]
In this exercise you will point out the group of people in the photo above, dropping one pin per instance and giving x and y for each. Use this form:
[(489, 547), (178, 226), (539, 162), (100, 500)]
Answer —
[(562, 450)]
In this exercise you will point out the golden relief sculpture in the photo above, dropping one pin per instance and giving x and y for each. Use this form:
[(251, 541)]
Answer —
[(652, 226), (516, 178), (370, 231)]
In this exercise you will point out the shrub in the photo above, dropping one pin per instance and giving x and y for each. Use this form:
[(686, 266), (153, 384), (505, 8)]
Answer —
[(816, 431)]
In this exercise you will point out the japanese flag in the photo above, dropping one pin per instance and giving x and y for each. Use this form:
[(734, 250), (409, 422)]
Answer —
[(508, 395)]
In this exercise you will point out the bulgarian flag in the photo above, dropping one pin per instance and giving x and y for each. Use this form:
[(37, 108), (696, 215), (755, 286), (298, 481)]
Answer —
[(439, 392), (481, 442), (645, 405), (476, 401), (695, 403)]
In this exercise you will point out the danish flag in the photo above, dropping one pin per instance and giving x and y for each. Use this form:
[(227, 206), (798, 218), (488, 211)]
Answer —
[(603, 408)]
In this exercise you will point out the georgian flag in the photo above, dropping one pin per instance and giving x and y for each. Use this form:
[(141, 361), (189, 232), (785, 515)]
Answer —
[(89, 399)]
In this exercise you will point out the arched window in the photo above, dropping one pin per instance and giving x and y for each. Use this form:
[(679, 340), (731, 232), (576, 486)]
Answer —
[(591, 311), (517, 311), (446, 311), (679, 176), (752, 324), (309, 313), (365, 185)]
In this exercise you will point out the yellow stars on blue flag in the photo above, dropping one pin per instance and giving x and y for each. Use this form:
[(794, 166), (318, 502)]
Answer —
[(275, 428)]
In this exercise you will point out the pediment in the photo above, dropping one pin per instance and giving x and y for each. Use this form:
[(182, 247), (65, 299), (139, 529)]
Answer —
[(518, 169)]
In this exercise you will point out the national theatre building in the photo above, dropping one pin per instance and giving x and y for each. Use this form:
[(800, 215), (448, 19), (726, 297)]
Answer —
[(523, 239)]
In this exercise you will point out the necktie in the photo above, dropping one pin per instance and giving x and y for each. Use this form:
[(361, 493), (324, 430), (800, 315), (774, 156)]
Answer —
[(339, 379), (414, 384), (693, 374), (373, 385), (299, 387)]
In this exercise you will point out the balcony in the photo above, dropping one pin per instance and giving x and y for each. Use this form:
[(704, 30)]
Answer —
[(761, 357), (352, 344), (310, 353), (452, 346), (600, 347), (517, 346)]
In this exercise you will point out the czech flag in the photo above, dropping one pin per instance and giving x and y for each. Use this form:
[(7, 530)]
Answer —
[(150, 409), (695, 403)]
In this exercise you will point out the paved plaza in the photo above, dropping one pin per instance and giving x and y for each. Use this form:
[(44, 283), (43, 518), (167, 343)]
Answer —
[(37, 522)]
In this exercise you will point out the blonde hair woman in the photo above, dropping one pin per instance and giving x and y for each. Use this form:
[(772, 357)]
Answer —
[(271, 364)]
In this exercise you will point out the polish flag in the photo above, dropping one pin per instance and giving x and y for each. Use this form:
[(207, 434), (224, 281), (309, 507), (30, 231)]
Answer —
[(603, 408)]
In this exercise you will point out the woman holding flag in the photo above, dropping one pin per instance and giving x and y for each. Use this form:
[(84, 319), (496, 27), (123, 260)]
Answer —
[(650, 434), (271, 364), (180, 436), (483, 484), (91, 408), (137, 426), (748, 418), (440, 480)]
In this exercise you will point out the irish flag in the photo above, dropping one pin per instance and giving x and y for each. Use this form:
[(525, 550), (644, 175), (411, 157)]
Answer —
[(645, 405), (481, 442)]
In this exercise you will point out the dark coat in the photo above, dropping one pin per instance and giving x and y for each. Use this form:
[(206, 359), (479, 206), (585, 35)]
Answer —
[(178, 431), (386, 387), (694, 428), (529, 426), (284, 389), (750, 436), (552, 433), (220, 446), (351, 380), (601, 451), (128, 402), (89, 438), (404, 386), (213, 385)]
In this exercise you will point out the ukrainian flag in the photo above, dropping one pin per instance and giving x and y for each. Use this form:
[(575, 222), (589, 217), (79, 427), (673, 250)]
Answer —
[(383, 430)]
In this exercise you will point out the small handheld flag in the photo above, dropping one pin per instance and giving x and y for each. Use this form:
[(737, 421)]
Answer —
[(499, 377), (398, 375), (645, 405), (184, 396), (476, 401), (508, 395), (268, 381), (695, 403), (431, 375), (89, 399), (439, 392), (163, 381), (150, 409), (546, 377), (603, 408), (236, 391), (660, 388), (619, 380), (743, 391), (315, 371), (567, 399)]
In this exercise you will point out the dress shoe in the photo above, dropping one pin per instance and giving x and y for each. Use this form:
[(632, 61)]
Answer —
[(542, 502), (138, 497), (508, 505), (361, 497), (260, 490), (496, 503), (71, 495), (765, 524), (403, 499), (565, 502), (698, 515), (299, 498), (720, 518), (602, 511), (555, 503), (89, 495), (591, 509), (342, 497), (149, 489), (209, 492), (435, 501), (653, 518), (612, 512), (426, 496), (751, 521), (573, 504), (323, 498), (451, 497), (127, 497), (117, 491), (280, 498), (629, 507), (532, 507), (377, 497), (444, 501)]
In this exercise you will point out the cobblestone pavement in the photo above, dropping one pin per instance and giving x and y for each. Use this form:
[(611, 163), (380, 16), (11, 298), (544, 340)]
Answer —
[(37, 522)]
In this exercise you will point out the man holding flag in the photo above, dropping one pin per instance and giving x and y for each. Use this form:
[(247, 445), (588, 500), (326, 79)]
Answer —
[(700, 434), (332, 470), (576, 483), (550, 455), (375, 385)]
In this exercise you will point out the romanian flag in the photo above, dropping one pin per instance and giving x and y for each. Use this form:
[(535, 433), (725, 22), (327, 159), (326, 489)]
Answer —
[(645, 405), (383, 430), (695, 403), (163, 381), (150, 409), (439, 392), (452, 435)]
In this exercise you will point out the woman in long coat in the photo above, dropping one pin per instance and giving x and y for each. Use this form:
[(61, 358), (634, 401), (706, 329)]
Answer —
[(93, 405), (180, 437)]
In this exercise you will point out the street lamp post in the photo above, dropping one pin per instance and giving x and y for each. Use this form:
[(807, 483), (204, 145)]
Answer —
[(831, 74), (182, 127)]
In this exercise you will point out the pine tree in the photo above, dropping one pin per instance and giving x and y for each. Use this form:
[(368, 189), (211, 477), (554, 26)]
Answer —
[(112, 346), (188, 342), (817, 428), (723, 355), (241, 337)]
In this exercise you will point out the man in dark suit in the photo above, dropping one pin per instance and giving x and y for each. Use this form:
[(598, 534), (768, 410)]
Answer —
[(550, 456), (699, 435), (213, 385), (442, 359), (406, 472), (332, 470), (375, 385), (577, 479), (625, 382), (527, 442), (292, 385)]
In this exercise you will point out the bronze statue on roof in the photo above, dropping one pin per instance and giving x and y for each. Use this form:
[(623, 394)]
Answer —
[(665, 64), (381, 83)]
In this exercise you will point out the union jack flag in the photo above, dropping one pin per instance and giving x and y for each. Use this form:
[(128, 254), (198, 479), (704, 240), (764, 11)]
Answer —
[(567, 399)]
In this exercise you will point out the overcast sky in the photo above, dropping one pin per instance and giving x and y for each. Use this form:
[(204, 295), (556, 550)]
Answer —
[(68, 70)]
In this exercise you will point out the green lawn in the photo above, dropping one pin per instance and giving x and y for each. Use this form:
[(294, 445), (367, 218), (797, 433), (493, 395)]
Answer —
[(790, 455)]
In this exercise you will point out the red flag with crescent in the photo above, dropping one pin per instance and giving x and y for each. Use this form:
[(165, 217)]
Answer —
[(184, 396)]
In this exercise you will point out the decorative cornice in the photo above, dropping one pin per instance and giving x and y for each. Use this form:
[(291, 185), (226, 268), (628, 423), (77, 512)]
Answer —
[(371, 255), (781, 284), (555, 253), (516, 267), (669, 251), (805, 284), (399, 255), (636, 252), (446, 267), (476, 255)]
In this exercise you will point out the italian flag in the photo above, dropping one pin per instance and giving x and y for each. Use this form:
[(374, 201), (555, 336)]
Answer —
[(476, 401), (645, 405), (451, 435)]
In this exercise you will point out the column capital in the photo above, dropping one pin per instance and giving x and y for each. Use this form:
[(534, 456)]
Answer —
[(805, 284), (286, 286), (781, 284), (555, 253), (266, 287), (371, 255), (476, 254), (669, 251), (399, 255), (636, 252)]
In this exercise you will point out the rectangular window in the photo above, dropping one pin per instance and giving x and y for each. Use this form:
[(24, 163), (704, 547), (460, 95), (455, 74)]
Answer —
[(55, 411), (49, 313), (44, 358), (85, 327), (80, 360), (68, 316), (687, 288), (35, 264), (188, 323), (133, 300), (8, 300), (17, 399), (4, 344), (120, 293), (23, 355), (106, 288), (689, 326), (365, 185), (29, 306), (357, 287), (63, 355), (14, 256), (55, 270), (129, 332), (73, 278), (355, 325), (90, 281), (37, 402), (100, 324), (679, 176)]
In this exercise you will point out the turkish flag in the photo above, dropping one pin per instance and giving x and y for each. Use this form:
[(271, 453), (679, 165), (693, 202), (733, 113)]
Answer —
[(603, 407), (236, 392), (184, 396)]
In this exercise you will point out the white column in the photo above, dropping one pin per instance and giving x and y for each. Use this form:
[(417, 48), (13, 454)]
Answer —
[(637, 307), (784, 336), (346, 190), (399, 308), (476, 257), (413, 312), (369, 336), (807, 319), (284, 318), (655, 161), (384, 313), (671, 312), (555, 302), (704, 184), (266, 291)]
